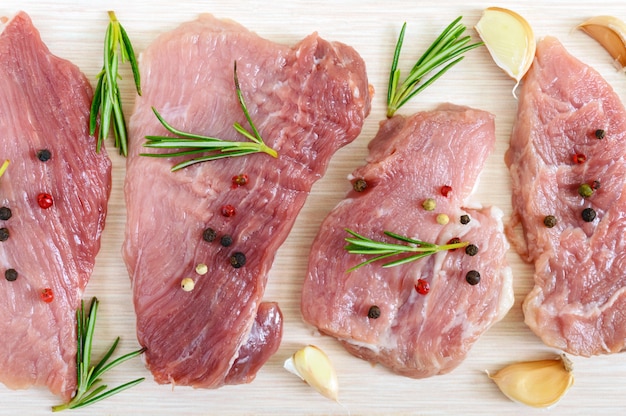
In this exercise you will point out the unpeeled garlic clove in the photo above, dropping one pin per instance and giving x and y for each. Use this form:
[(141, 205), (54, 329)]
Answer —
[(610, 32), (539, 383), (509, 39), (313, 366)]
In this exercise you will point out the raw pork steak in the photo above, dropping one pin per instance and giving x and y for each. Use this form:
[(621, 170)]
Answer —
[(44, 115), (416, 335), (578, 303), (307, 101)]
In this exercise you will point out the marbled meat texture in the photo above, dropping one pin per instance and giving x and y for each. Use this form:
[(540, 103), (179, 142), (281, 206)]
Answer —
[(578, 303), (416, 335), (307, 102), (44, 104)]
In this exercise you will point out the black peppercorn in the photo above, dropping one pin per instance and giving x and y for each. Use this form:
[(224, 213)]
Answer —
[(373, 312), (10, 275), (549, 221), (588, 214), (600, 134), (238, 260), (465, 219), (5, 213), (44, 155), (360, 185), (209, 235), (472, 277), (471, 250), (4, 234), (226, 240)]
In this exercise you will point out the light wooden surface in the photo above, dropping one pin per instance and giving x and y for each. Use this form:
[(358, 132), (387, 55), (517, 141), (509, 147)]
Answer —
[(74, 29)]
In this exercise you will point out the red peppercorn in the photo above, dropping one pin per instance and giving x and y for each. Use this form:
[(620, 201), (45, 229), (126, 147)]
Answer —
[(580, 158), (228, 210), (44, 200), (240, 180), (47, 295), (422, 287), (445, 190)]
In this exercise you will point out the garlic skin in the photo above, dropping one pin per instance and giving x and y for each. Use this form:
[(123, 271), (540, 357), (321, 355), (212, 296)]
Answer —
[(313, 366), (610, 32), (539, 383), (509, 39)]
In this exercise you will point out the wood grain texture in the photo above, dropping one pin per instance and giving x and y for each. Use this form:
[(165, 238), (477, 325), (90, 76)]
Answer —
[(74, 29)]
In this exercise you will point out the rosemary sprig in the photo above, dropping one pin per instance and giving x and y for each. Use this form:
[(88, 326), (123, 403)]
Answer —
[(217, 148), (89, 390), (4, 167), (107, 99), (447, 49), (359, 244)]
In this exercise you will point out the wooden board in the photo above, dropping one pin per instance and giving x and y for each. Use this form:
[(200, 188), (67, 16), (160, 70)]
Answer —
[(74, 29)]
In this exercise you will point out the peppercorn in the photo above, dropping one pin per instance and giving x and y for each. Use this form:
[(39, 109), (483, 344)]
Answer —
[(5, 213), (44, 200), (238, 260), (10, 275), (465, 219), (187, 284), (44, 155), (226, 240), (240, 180), (472, 277), (202, 269), (595, 185), (585, 190), (209, 235), (422, 287), (359, 185), (471, 250), (580, 158), (47, 295), (600, 134), (443, 219), (455, 240), (549, 221), (429, 204), (445, 190), (373, 312), (588, 214), (228, 210), (4, 234)]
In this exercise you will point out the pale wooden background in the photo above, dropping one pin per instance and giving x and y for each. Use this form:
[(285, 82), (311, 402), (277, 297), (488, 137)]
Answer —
[(74, 30)]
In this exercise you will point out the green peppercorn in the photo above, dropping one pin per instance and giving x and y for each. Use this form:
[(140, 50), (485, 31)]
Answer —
[(465, 219), (585, 190), (238, 260), (472, 277), (4, 234), (471, 250), (359, 185), (549, 221), (588, 214), (373, 312), (429, 204), (5, 213), (209, 235), (600, 134), (10, 275)]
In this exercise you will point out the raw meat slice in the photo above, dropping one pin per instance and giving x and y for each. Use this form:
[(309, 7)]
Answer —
[(416, 335), (307, 101), (45, 105), (578, 303)]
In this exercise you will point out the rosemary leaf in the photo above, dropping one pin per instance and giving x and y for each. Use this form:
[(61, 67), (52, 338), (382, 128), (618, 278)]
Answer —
[(447, 49), (359, 244)]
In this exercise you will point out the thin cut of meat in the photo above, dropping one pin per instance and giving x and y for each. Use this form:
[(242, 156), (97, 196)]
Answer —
[(578, 303), (416, 335), (44, 105), (307, 102)]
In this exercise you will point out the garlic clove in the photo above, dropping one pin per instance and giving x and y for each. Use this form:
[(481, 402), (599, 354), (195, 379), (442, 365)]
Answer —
[(610, 32), (509, 39), (312, 365), (539, 383)]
